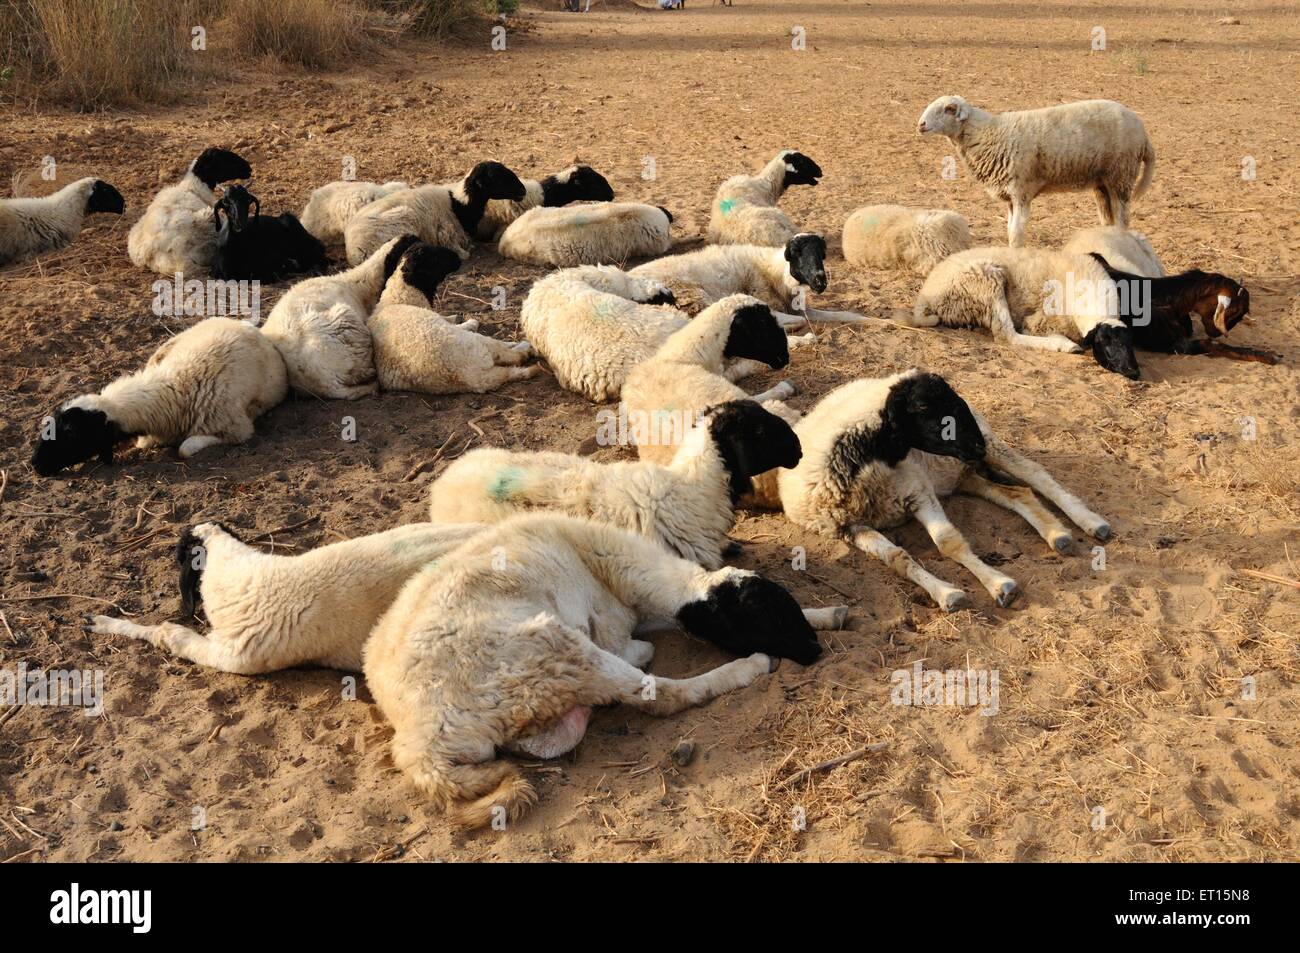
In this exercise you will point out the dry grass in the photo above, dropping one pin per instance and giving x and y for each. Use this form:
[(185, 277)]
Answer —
[(312, 33)]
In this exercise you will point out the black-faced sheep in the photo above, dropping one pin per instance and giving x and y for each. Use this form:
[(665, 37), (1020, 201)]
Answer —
[(261, 249), (893, 236), (30, 226), (417, 349), (1094, 144), (442, 215), (578, 183), (744, 211), (587, 234), (203, 387), (175, 234), (878, 452), (480, 651)]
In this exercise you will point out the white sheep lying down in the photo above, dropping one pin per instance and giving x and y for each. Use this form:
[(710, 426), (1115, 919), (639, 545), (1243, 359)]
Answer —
[(1032, 298), (587, 234), (177, 233), (518, 632), (332, 206), (577, 183), (1095, 144), (203, 387), (270, 612), (686, 505), (1123, 250), (744, 210), (893, 236), (319, 327), (417, 349), (32, 225), (878, 452)]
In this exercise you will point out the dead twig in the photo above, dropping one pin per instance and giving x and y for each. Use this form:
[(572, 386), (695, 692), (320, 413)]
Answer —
[(832, 763), (419, 468), (1271, 577)]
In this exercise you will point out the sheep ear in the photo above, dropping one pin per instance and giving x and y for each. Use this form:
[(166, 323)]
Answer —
[(963, 111)]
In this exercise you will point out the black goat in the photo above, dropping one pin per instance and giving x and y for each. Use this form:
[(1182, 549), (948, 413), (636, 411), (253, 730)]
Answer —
[(261, 249)]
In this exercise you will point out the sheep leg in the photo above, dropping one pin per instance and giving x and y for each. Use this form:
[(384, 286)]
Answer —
[(638, 653), (509, 354), (1004, 328), (816, 315), (1017, 219), (1021, 500), (1010, 461), (952, 544), (192, 445), (947, 597), (800, 340), (1102, 198), (743, 367), (614, 679), (779, 392), (829, 618), (1118, 207), (788, 321), (211, 652), (469, 324)]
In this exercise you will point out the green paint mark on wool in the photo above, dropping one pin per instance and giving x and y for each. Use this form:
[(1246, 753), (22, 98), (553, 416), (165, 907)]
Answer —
[(505, 484), (869, 223), (726, 205)]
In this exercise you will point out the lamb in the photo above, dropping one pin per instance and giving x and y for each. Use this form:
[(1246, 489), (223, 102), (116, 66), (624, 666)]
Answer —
[(332, 206), (1169, 304), (319, 327), (1125, 250), (577, 183), (1096, 143), (270, 612), (417, 349), (203, 387), (30, 226), (877, 452), (776, 276), (686, 505), (587, 234), (893, 236), (1033, 298), (685, 375), (744, 211), (261, 249), (516, 633), (175, 234), (442, 215)]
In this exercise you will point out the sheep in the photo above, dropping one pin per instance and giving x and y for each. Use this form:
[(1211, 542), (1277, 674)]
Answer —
[(319, 327), (878, 451), (587, 234), (578, 183), (442, 215), (1032, 298), (594, 323), (261, 249), (30, 226), (270, 612), (1169, 304), (686, 505), (516, 633), (685, 375), (417, 349), (892, 236), (332, 206), (744, 211), (175, 234), (1125, 250), (1095, 144), (776, 276), (203, 387)]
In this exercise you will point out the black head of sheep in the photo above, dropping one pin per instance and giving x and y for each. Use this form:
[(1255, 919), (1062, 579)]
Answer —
[(800, 170), (806, 254), (755, 334), (1112, 346), (492, 180), (923, 412), (751, 440), (747, 614), (581, 183), (214, 166), (424, 267), (80, 433), (104, 198)]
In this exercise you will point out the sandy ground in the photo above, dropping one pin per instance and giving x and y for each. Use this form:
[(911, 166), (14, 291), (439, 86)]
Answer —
[(1121, 694)]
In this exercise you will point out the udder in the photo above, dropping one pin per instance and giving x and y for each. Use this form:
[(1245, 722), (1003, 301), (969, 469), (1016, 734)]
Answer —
[(559, 737)]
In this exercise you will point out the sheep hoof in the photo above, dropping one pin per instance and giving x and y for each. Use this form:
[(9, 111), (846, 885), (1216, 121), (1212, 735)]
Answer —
[(1063, 544), (955, 600), (1102, 531), (1007, 593), (773, 663)]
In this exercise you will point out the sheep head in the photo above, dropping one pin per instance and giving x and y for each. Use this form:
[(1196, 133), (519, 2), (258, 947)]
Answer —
[(102, 197), (745, 613), (756, 335), (77, 435), (923, 412), (945, 116), (806, 254)]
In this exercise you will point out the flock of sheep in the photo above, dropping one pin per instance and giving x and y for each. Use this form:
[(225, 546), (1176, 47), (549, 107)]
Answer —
[(501, 621)]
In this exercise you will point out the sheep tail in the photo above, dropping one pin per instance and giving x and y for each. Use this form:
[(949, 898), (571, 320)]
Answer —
[(453, 787), (1148, 170)]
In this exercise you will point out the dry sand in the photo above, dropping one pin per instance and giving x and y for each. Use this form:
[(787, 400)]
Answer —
[(1121, 689)]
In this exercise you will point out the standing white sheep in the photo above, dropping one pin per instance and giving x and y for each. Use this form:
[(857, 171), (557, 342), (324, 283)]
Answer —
[(418, 349), (29, 226), (319, 327), (1094, 144), (203, 387), (177, 233), (587, 234), (893, 236), (332, 206), (744, 211)]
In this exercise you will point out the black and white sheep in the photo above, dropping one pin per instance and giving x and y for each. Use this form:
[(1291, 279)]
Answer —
[(744, 210), (577, 183), (30, 226)]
